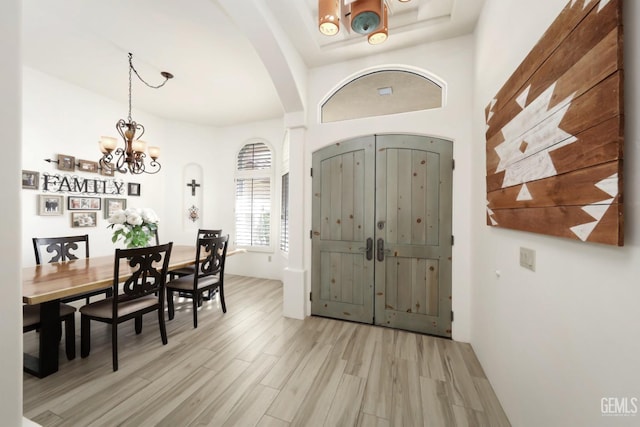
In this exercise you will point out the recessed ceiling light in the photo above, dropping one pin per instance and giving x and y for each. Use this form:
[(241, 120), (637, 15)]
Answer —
[(383, 91)]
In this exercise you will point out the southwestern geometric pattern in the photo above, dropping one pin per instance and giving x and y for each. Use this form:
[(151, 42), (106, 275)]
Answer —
[(555, 131)]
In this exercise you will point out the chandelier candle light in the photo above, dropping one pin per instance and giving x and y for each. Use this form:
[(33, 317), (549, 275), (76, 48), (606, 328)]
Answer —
[(131, 158)]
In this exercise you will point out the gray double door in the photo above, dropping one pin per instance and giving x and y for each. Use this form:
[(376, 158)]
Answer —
[(381, 237)]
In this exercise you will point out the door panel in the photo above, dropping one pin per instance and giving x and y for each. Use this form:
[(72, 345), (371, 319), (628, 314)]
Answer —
[(395, 192), (343, 190), (413, 214)]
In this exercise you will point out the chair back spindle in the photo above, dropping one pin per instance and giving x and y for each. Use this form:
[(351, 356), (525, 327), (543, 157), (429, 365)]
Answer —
[(62, 248)]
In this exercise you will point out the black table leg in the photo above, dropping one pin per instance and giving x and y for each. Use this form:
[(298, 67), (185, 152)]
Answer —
[(47, 361)]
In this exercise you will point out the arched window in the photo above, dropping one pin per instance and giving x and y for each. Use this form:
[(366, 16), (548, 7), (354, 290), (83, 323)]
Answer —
[(383, 92), (253, 196)]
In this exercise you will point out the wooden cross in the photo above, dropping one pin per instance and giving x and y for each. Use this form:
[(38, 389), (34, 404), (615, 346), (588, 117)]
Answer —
[(193, 186)]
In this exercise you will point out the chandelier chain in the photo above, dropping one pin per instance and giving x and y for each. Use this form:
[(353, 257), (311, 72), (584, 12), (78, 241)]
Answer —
[(131, 67)]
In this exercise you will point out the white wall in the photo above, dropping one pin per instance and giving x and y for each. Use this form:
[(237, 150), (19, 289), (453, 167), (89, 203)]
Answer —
[(216, 151), (553, 342), (10, 333), (60, 118), (451, 61)]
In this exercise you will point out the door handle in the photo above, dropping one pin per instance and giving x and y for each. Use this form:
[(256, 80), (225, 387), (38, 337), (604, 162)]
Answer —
[(380, 251), (368, 249)]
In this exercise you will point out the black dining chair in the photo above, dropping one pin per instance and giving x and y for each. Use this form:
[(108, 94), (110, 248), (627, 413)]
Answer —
[(142, 292), (190, 269), (31, 322), (186, 271), (211, 253), (64, 249), (59, 249)]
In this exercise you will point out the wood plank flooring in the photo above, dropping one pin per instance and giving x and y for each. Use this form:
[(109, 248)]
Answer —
[(253, 367)]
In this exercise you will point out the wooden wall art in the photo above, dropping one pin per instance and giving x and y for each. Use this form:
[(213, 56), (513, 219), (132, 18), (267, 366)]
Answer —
[(555, 131)]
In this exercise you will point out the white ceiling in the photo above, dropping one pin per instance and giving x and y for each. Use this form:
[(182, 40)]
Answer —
[(220, 79)]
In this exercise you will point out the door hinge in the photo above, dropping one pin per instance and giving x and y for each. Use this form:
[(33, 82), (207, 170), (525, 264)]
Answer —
[(453, 164), (453, 240), (311, 234), (311, 171), (310, 296), (452, 315)]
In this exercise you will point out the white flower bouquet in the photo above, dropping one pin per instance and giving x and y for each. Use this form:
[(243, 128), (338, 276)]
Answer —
[(134, 226)]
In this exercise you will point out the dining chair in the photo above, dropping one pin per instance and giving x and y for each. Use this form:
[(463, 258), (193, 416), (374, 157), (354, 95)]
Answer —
[(62, 249), (211, 253), (190, 269), (31, 322), (143, 288), (186, 271)]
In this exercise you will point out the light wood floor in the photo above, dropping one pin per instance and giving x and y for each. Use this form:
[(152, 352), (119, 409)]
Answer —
[(251, 366)]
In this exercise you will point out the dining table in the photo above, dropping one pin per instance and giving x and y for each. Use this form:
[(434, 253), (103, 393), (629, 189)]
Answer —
[(46, 284)]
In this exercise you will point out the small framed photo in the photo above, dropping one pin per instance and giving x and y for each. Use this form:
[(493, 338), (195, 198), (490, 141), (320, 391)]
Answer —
[(66, 163), (30, 179), (133, 189), (88, 166), (108, 169), (49, 204), (84, 219), (113, 205), (80, 203)]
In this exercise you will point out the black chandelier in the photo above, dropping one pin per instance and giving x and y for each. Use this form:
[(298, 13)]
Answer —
[(131, 158)]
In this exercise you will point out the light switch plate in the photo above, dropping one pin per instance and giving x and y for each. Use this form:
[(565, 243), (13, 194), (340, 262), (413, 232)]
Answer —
[(528, 258)]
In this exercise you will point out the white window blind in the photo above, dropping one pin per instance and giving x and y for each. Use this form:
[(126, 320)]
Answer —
[(253, 196), (254, 157), (284, 214)]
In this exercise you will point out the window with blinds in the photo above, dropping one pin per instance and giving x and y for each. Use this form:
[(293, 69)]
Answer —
[(254, 157), (284, 214), (253, 196)]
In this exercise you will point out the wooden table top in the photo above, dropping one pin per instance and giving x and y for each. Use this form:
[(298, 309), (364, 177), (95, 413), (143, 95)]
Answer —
[(51, 281)]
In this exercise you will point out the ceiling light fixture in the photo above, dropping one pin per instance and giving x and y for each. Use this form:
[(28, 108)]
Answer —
[(329, 16), (381, 33), (131, 157), (367, 17)]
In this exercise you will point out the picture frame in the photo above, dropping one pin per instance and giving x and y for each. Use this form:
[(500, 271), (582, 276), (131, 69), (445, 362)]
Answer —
[(113, 205), (66, 162), (30, 179), (84, 219), (108, 170), (133, 189), (50, 204), (87, 166), (83, 203)]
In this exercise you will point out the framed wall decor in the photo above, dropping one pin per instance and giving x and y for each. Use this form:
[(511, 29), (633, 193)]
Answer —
[(133, 189), (108, 170), (113, 205), (555, 131), (88, 166), (30, 179), (84, 219), (83, 203), (66, 163), (50, 204)]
